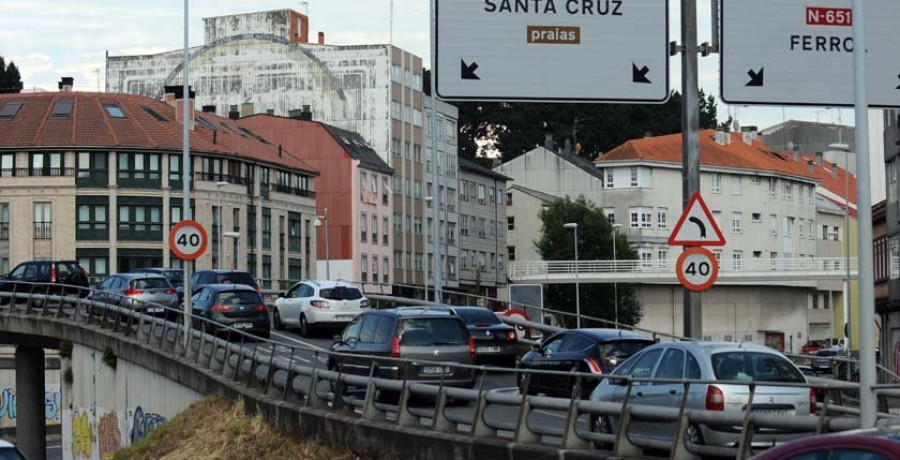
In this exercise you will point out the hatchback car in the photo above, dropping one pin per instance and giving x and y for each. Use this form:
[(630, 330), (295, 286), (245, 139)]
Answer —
[(204, 277), (822, 363), (237, 306), (429, 334), (311, 305), (143, 292), (595, 351), (812, 346), (174, 275), (65, 277), (708, 361), (874, 444), (495, 342)]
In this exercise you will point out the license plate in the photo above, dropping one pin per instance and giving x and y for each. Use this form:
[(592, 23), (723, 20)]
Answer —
[(343, 317), (487, 349), (155, 310), (772, 412), (242, 326), (436, 370)]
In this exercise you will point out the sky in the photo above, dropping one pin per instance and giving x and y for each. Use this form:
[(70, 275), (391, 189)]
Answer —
[(49, 39)]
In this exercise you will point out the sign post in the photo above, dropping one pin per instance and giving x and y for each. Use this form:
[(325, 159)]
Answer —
[(188, 241)]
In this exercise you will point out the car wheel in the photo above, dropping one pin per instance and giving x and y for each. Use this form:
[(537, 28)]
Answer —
[(304, 327), (276, 320), (693, 435), (601, 424)]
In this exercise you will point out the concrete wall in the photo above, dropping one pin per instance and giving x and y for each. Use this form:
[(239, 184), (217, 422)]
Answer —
[(106, 409), (52, 396)]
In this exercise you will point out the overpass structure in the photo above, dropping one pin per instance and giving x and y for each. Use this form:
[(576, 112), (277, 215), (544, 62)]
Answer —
[(292, 386), (776, 272)]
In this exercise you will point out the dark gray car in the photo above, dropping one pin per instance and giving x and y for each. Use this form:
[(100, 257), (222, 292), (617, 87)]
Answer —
[(146, 292)]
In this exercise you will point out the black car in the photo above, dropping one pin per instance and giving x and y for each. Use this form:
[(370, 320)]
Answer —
[(204, 277), (495, 342), (66, 277), (594, 351), (174, 275), (418, 333), (234, 305)]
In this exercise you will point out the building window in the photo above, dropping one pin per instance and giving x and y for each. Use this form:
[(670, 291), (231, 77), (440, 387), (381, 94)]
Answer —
[(418, 259), (92, 170), (610, 178), (716, 183), (364, 267), (46, 164), (374, 229), (267, 230), (736, 222), (662, 256), (773, 187), (386, 269), (93, 222), (4, 226), (834, 233), (8, 164), (510, 223), (788, 226), (641, 217), (756, 180), (646, 258), (736, 184), (756, 217), (610, 214), (43, 223), (757, 254), (662, 217), (96, 266), (773, 224), (787, 191), (140, 222), (295, 238), (267, 272), (364, 228), (511, 253), (481, 193), (634, 176), (509, 199), (736, 258), (139, 170)]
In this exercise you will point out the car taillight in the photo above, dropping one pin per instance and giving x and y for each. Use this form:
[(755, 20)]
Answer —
[(364, 303), (472, 351), (715, 399), (132, 292), (171, 291), (320, 304), (511, 336), (260, 309), (813, 409), (258, 290), (220, 309), (52, 273), (594, 366), (395, 348)]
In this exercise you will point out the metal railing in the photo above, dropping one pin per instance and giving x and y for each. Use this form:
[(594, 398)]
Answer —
[(37, 172), (307, 376), (292, 191), (218, 177), (43, 230)]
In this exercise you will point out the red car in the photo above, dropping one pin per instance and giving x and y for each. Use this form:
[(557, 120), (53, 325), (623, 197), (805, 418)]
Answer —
[(812, 347), (877, 444)]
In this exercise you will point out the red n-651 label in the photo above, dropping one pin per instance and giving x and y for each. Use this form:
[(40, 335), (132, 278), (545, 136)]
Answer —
[(829, 16)]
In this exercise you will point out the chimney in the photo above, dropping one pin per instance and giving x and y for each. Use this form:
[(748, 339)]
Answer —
[(300, 28), (270, 111), (834, 170), (796, 156), (279, 150), (820, 159), (208, 109), (568, 148), (303, 114), (810, 165), (233, 112), (548, 141), (647, 134), (175, 98), (66, 84), (723, 138), (321, 38)]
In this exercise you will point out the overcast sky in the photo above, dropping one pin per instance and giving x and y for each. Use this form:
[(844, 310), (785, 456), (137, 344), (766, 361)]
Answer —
[(49, 39)]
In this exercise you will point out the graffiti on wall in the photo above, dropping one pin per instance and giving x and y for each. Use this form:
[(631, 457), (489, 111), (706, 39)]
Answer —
[(109, 435), (82, 435), (52, 406), (144, 423)]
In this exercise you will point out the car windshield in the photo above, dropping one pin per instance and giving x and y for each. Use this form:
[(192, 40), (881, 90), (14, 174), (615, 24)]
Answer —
[(175, 276), (341, 293), (759, 367), (613, 353), (826, 353), (432, 331), (473, 316), (235, 278), (150, 283), (238, 298)]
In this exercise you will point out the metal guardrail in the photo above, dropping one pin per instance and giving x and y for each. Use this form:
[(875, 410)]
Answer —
[(258, 366)]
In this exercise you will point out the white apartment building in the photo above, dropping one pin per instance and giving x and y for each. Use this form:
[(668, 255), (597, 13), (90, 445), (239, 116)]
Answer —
[(448, 213)]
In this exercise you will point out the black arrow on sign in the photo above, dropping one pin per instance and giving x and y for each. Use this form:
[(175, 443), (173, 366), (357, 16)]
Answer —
[(898, 87), (756, 78), (639, 75), (468, 71), (699, 223)]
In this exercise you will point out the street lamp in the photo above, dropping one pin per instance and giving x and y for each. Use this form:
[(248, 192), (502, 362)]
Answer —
[(574, 226), (615, 228), (846, 149), (317, 224), (219, 186), (237, 253)]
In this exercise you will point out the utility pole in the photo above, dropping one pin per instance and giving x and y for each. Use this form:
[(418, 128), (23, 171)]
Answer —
[(690, 141), (436, 179), (185, 171)]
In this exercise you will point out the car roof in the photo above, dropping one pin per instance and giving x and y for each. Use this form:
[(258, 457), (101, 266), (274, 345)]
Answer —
[(465, 309), (719, 347), (422, 311), (327, 284), (156, 269), (228, 287), (606, 334), (132, 276), (221, 271)]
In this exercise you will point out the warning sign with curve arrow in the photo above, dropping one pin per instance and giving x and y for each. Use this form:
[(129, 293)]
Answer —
[(696, 226)]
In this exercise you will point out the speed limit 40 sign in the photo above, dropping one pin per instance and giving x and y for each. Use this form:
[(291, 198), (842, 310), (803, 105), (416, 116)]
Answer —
[(697, 269), (188, 240)]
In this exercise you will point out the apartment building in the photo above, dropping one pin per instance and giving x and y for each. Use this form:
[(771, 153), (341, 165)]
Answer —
[(97, 177), (447, 169), (483, 227), (523, 221)]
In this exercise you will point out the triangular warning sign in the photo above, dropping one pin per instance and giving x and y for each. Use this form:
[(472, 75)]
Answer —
[(696, 226)]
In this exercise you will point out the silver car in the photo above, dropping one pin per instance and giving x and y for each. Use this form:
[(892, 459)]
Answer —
[(145, 292), (708, 361)]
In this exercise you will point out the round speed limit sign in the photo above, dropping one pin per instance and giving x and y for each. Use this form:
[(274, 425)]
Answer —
[(187, 240), (697, 269)]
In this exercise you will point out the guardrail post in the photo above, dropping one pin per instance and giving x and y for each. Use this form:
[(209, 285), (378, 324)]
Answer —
[(162, 338), (188, 340), (679, 444), (13, 298), (404, 416), (623, 446), (212, 352), (29, 300), (523, 433), (312, 396), (370, 411), (45, 302), (226, 359), (744, 447), (251, 376), (200, 350), (270, 375), (479, 427), (289, 378), (823, 420), (440, 421), (571, 440), (239, 367)]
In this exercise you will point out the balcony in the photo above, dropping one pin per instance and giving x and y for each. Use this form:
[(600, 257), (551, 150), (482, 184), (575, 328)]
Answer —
[(292, 191), (43, 230), (43, 172), (215, 177), (4, 231)]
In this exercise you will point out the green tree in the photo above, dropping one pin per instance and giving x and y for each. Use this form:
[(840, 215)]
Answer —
[(595, 233), (10, 79)]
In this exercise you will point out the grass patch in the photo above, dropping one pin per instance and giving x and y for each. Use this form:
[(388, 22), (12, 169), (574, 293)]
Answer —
[(218, 429)]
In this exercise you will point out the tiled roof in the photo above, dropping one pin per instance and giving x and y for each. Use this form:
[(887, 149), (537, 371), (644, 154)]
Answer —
[(737, 154), (354, 144), (834, 184), (90, 126), (469, 165)]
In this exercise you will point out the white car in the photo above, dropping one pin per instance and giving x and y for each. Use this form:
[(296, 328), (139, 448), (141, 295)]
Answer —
[(310, 305)]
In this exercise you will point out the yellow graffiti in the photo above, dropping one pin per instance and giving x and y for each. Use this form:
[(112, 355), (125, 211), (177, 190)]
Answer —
[(82, 435)]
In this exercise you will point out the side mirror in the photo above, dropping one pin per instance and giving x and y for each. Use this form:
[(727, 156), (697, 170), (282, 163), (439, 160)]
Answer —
[(337, 338)]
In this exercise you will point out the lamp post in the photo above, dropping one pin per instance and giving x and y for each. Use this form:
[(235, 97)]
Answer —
[(237, 253), (219, 186), (317, 224), (846, 150), (574, 226), (615, 228)]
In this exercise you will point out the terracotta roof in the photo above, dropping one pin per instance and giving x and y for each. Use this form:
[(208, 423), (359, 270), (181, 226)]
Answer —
[(91, 126), (836, 185), (737, 154)]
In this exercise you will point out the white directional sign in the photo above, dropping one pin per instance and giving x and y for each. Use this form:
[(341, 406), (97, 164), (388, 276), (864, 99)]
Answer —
[(800, 52), (552, 50)]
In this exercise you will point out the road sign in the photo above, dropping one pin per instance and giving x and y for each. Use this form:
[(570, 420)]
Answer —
[(697, 269), (696, 226), (188, 240), (552, 50), (800, 52)]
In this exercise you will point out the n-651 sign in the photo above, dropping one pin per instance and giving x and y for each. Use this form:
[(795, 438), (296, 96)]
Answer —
[(188, 240)]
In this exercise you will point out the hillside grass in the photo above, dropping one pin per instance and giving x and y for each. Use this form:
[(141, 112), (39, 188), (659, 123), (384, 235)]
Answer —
[(219, 429)]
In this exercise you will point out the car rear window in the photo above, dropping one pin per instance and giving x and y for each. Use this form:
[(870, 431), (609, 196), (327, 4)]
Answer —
[(176, 276), (433, 331), (235, 278), (478, 316), (760, 367), (341, 293), (238, 298), (826, 353), (149, 283)]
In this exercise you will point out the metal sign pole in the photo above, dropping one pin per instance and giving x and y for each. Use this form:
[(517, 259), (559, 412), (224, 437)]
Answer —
[(690, 142), (186, 170), (867, 374), (435, 158)]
